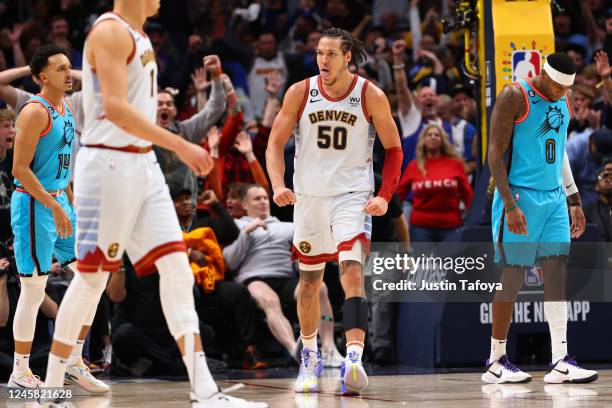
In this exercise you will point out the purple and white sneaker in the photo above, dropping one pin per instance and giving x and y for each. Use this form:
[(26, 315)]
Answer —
[(353, 377), (503, 371), (310, 371), (568, 371)]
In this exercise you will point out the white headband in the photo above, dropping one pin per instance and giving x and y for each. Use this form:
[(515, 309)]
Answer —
[(558, 76)]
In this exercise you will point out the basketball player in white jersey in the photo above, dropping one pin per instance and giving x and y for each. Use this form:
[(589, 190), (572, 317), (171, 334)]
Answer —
[(337, 115), (122, 200)]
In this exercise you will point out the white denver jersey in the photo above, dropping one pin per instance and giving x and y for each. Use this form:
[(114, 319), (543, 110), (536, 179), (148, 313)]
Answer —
[(142, 92), (333, 141)]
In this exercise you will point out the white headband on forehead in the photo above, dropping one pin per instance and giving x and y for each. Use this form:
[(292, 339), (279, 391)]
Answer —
[(558, 76)]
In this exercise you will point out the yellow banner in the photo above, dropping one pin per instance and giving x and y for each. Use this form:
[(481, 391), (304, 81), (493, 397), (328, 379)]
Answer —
[(523, 38)]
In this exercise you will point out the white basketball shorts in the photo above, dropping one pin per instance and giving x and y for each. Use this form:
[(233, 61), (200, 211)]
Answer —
[(123, 204)]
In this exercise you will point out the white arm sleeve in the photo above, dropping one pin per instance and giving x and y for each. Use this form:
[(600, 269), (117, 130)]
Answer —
[(568, 179)]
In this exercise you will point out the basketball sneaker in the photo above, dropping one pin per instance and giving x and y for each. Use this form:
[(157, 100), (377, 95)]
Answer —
[(568, 371), (222, 400), (353, 378), (26, 380), (503, 371), (310, 371), (332, 357), (79, 374)]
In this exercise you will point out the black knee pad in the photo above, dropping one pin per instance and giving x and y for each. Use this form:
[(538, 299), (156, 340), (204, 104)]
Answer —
[(355, 314)]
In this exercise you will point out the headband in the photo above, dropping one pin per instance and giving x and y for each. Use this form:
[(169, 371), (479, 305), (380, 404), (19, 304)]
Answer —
[(558, 76)]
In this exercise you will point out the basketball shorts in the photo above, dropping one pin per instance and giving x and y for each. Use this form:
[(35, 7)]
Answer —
[(123, 204), (36, 241), (326, 227), (548, 227)]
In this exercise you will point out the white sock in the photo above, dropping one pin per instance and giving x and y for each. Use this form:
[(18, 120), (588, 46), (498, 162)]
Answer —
[(202, 382), (310, 341), (77, 352), (21, 364), (556, 314), (498, 349), (354, 347), (56, 368)]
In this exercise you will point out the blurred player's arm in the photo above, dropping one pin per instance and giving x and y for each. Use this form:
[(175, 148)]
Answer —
[(509, 106), (279, 135), (377, 106), (31, 122), (111, 44)]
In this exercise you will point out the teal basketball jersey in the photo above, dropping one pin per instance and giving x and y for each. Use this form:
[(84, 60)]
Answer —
[(535, 154), (51, 162)]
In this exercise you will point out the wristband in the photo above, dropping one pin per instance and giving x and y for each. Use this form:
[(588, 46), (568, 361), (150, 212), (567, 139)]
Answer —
[(577, 204), (399, 66), (512, 208)]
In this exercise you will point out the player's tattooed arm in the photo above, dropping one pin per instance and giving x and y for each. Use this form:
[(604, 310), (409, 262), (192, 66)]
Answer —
[(510, 106)]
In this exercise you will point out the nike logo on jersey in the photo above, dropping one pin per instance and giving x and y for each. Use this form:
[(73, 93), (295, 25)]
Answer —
[(566, 372), (536, 101), (315, 100), (498, 375)]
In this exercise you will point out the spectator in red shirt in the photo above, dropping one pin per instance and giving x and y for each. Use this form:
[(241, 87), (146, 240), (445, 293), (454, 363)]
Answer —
[(438, 181)]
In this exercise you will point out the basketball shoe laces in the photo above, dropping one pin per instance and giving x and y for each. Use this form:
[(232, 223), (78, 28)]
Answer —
[(508, 365), (569, 360)]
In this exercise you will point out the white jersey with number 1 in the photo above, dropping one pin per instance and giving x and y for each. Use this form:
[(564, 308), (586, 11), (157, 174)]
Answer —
[(334, 138), (142, 92)]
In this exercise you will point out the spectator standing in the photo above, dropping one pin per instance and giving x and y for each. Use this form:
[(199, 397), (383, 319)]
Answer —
[(439, 183), (7, 137), (267, 61)]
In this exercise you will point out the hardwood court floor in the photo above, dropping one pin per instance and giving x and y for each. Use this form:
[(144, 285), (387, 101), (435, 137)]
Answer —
[(422, 391)]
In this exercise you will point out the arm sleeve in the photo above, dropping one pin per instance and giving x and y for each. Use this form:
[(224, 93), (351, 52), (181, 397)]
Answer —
[(568, 178), (391, 171), (194, 129)]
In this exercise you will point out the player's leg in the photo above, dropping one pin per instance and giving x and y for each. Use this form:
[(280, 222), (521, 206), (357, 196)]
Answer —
[(351, 229), (309, 312), (329, 353), (514, 253), (108, 205), (77, 372), (553, 252), (156, 243), (34, 231), (313, 245), (268, 301)]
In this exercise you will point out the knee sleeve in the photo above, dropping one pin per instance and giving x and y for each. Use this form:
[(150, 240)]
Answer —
[(355, 314), (176, 294), (31, 297), (83, 294)]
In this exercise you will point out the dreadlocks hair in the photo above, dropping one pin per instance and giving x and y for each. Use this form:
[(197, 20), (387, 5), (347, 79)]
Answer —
[(349, 43)]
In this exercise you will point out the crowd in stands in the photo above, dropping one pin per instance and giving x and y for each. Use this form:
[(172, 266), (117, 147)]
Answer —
[(239, 241)]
